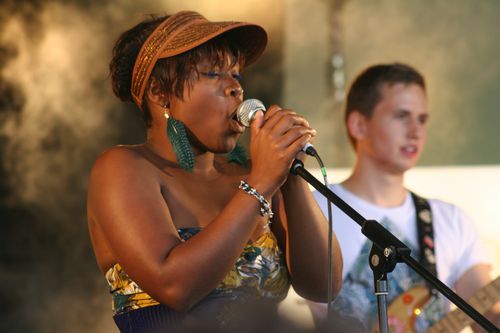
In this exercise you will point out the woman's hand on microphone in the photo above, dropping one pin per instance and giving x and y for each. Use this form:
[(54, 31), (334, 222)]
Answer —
[(277, 137)]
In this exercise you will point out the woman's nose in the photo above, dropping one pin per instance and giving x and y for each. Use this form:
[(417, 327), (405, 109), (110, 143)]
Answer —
[(234, 90)]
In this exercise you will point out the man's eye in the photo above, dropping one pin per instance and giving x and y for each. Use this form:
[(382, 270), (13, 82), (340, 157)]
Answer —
[(423, 119), (237, 77), (402, 115)]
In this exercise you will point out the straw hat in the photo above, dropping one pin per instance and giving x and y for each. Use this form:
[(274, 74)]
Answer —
[(184, 31)]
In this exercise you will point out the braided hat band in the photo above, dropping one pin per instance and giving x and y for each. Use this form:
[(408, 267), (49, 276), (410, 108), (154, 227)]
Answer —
[(184, 31)]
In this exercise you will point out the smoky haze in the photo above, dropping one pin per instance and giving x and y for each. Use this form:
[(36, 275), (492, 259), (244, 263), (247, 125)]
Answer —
[(56, 114)]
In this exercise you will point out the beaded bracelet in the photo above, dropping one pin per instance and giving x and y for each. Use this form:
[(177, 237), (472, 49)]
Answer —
[(265, 207)]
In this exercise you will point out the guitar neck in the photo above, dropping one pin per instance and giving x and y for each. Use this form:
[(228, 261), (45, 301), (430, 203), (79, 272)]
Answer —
[(482, 301)]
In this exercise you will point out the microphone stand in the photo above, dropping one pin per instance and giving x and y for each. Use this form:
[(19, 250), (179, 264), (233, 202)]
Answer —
[(387, 250)]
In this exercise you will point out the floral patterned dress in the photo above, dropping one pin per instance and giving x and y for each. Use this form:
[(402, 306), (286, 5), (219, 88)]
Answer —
[(260, 271)]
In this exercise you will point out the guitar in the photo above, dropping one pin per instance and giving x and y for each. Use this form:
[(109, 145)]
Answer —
[(404, 309)]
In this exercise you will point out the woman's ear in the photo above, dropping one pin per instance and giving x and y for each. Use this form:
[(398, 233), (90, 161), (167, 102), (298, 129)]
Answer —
[(155, 95), (356, 125)]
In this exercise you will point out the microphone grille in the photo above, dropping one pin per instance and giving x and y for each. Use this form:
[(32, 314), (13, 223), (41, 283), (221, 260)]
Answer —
[(247, 109)]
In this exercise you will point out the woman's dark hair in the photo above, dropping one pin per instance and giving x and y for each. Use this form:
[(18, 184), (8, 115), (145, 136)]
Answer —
[(365, 91), (172, 73)]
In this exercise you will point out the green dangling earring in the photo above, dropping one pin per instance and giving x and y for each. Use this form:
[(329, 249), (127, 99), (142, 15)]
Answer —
[(177, 136), (238, 155)]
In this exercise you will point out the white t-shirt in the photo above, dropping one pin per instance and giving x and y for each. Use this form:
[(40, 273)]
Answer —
[(457, 248)]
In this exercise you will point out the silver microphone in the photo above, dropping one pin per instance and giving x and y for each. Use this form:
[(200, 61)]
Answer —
[(246, 111)]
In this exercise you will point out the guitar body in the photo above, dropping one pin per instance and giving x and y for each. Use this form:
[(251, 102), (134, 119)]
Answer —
[(402, 311)]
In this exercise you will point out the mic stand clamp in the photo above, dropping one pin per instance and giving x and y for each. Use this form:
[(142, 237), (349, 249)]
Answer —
[(385, 253), (381, 265)]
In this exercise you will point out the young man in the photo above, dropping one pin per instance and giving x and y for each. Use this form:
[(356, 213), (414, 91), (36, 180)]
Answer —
[(386, 119)]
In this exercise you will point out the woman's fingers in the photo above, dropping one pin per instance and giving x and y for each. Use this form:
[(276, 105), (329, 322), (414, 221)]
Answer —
[(297, 138), (280, 120), (277, 136)]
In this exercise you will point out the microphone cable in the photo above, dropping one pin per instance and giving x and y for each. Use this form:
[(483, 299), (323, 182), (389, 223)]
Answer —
[(309, 149)]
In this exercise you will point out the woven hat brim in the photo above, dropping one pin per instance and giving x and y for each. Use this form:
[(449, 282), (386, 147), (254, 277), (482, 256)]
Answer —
[(250, 39)]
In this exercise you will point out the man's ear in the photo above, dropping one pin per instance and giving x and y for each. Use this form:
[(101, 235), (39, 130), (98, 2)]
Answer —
[(356, 125)]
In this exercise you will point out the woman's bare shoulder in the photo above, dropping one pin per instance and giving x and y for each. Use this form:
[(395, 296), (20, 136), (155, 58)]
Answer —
[(120, 176), (119, 164), (120, 153), (118, 158)]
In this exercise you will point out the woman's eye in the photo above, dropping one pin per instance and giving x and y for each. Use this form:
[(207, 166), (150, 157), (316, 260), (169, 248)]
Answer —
[(211, 75), (218, 75)]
